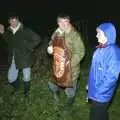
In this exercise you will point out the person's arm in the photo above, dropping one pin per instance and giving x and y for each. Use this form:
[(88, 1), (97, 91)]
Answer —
[(78, 50), (33, 39)]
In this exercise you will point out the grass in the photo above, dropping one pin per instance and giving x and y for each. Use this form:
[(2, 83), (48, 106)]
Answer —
[(40, 104)]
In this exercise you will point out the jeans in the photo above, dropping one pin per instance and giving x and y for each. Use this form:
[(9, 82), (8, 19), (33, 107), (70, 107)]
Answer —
[(13, 73), (99, 111)]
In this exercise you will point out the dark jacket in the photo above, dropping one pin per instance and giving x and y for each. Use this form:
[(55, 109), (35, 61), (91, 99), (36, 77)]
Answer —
[(21, 45)]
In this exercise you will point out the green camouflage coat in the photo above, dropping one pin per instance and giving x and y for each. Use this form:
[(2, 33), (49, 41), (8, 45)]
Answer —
[(75, 47)]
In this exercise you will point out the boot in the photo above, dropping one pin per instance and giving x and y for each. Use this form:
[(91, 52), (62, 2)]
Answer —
[(68, 106), (70, 101), (26, 88), (16, 85), (56, 97)]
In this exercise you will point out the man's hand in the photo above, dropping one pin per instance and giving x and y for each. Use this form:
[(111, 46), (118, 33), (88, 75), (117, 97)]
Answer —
[(1, 29), (50, 49)]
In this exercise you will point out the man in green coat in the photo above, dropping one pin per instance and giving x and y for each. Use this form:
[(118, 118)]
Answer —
[(21, 44), (75, 49)]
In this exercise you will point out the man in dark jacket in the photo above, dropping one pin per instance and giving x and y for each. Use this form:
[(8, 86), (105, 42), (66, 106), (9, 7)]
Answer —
[(21, 44)]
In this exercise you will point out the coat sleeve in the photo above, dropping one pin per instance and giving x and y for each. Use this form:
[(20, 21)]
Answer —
[(34, 39), (78, 50)]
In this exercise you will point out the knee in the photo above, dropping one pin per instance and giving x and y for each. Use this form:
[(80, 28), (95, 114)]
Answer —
[(53, 86), (70, 92)]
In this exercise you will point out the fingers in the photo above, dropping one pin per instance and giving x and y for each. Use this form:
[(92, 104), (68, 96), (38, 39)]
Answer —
[(1, 28)]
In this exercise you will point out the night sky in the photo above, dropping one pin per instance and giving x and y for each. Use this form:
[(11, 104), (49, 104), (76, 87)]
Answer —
[(42, 16)]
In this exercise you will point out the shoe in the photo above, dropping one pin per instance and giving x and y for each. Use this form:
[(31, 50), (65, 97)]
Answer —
[(70, 101), (26, 88), (56, 97), (16, 85)]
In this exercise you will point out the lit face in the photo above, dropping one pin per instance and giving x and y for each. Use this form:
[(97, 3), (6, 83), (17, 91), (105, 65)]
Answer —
[(101, 36), (13, 22), (63, 23)]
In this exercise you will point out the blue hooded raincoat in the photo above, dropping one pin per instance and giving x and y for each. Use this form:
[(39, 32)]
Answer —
[(105, 67)]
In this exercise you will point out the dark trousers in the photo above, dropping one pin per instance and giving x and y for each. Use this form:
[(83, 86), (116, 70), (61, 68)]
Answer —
[(99, 111)]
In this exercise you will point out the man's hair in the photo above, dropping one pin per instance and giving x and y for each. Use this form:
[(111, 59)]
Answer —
[(64, 16), (12, 15)]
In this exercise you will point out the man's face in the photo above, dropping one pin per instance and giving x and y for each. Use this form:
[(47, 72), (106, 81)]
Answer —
[(101, 36), (63, 23), (13, 22)]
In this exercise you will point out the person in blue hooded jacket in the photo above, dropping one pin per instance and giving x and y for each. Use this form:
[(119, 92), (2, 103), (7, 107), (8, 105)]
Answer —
[(104, 71)]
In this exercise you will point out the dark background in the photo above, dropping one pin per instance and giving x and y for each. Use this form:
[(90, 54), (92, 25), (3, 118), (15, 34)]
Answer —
[(41, 17)]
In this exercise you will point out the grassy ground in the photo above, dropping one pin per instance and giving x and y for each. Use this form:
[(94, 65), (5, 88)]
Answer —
[(40, 104)]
